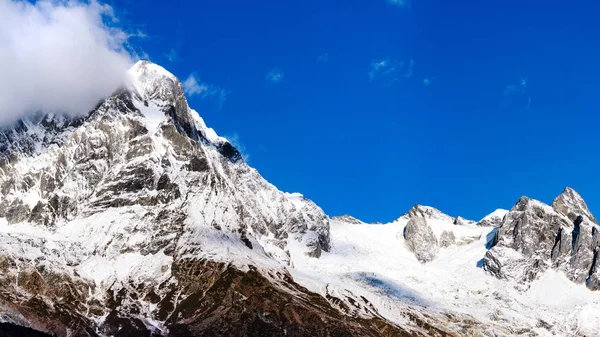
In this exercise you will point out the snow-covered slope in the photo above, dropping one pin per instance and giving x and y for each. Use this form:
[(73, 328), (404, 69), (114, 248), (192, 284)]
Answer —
[(453, 291), (138, 219)]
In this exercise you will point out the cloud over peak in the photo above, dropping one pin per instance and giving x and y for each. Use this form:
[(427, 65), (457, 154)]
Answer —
[(192, 86), (58, 56)]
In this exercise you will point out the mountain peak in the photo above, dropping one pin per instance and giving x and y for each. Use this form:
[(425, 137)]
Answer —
[(347, 219), (493, 219), (427, 212), (152, 81), (571, 204), (160, 95)]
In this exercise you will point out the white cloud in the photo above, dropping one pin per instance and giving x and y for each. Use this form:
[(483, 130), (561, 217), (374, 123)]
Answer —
[(323, 58), (399, 3), (391, 69), (274, 76), (193, 87), (58, 56), (380, 66)]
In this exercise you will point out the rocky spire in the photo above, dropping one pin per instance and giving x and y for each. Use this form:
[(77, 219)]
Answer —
[(571, 204)]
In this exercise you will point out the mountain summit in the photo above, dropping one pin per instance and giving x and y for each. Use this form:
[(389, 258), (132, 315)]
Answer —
[(136, 219)]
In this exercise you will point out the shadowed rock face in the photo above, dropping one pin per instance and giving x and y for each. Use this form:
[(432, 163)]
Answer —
[(534, 237), (11, 330), (420, 239), (460, 221)]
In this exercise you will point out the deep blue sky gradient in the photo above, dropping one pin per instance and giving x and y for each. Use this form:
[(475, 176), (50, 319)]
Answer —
[(511, 108)]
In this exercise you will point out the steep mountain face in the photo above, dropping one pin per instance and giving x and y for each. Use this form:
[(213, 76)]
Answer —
[(136, 219), (534, 237)]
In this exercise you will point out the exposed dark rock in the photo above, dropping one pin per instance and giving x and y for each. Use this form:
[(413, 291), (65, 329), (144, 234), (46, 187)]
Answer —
[(197, 164), (230, 152), (11, 330), (460, 221)]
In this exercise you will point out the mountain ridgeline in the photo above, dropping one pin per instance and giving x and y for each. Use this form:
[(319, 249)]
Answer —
[(136, 219)]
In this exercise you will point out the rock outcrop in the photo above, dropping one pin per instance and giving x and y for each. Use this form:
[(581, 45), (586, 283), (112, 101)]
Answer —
[(426, 212), (571, 204), (420, 239), (534, 237), (460, 221), (447, 239), (493, 219)]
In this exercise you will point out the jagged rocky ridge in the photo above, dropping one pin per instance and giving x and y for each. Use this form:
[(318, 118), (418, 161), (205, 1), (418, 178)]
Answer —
[(534, 237), (137, 219)]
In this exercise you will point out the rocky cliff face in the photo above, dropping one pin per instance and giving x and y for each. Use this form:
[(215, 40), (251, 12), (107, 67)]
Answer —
[(137, 219), (534, 237)]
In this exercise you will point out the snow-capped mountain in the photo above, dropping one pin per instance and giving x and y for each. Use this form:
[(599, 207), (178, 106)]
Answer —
[(139, 220)]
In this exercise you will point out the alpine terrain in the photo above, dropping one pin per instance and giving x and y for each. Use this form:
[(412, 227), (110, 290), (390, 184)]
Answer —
[(139, 220)]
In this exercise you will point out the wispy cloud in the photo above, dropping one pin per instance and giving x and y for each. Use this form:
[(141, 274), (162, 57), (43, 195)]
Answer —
[(399, 3), (518, 94), (387, 68), (323, 58), (380, 67), (234, 139), (172, 55), (192, 86), (274, 76), (426, 82)]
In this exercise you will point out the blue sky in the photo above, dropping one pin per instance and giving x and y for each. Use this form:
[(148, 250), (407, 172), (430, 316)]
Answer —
[(368, 107)]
